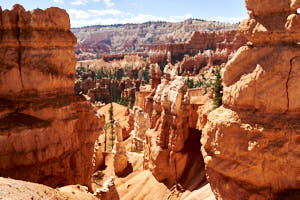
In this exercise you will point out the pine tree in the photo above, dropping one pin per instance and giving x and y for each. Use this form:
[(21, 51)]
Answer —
[(111, 121), (217, 88), (123, 101), (131, 102), (146, 75), (190, 82)]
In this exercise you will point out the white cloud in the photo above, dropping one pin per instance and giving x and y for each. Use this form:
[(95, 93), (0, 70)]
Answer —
[(92, 14), (81, 18), (109, 3), (82, 2), (180, 18), (78, 14), (58, 1), (97, 13)]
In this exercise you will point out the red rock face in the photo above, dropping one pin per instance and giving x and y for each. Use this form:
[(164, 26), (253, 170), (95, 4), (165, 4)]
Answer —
[(26, 42), (220, 45), (251, 144), (47, 133)]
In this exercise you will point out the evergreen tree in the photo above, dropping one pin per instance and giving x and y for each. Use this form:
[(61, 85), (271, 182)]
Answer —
[(190, 82), (198, 84), (100, 74), (114, 94), (100, 98), (217, 88), (119, 74), (145, 75), (111, 121), (123, 101)]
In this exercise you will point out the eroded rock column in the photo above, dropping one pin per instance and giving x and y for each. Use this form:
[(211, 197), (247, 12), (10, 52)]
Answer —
[(47, 133), (251, 145), (120, 157), (141, 125)]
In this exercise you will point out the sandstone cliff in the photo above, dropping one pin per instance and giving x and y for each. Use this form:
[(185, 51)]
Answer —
[(115, 39), (47, 133), (251, 144), (202, 49)]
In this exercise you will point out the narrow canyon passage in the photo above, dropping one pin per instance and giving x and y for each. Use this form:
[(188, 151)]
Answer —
[(193, 176)]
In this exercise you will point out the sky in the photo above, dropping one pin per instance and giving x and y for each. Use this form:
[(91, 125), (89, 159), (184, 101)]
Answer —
[(105, 12)]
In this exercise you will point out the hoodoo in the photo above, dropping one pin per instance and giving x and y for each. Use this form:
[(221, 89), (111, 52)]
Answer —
[(47, 133), (172, 144), (251, 144)]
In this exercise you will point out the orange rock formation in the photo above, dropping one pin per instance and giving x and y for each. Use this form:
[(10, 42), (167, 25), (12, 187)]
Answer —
[(229, 41), (172, 144), (47, 133), (251, 144)]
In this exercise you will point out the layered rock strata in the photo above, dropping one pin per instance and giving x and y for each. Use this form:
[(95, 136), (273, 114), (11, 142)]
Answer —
[(172, 139), (193, 65), (47, 133), (217, 42), (95, 41), (251, 144)]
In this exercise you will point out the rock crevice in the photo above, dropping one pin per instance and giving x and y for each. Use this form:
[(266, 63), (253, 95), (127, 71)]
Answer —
[(19, 51), (287, 85)]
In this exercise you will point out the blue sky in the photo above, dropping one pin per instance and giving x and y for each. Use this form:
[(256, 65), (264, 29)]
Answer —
[(92, 12)]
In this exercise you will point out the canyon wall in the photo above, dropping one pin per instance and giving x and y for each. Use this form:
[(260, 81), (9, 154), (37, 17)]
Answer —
[(47, 133), (200, 41), (202, 49), (251, 144)]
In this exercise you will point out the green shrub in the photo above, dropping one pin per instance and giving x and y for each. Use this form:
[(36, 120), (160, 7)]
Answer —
[(123, 101), (190, 83)]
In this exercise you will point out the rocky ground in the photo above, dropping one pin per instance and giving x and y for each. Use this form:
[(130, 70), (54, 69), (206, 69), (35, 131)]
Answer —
[(20, 190)]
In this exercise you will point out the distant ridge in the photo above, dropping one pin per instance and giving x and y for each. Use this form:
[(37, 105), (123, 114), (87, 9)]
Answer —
[(149, 22), (95, 41)]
